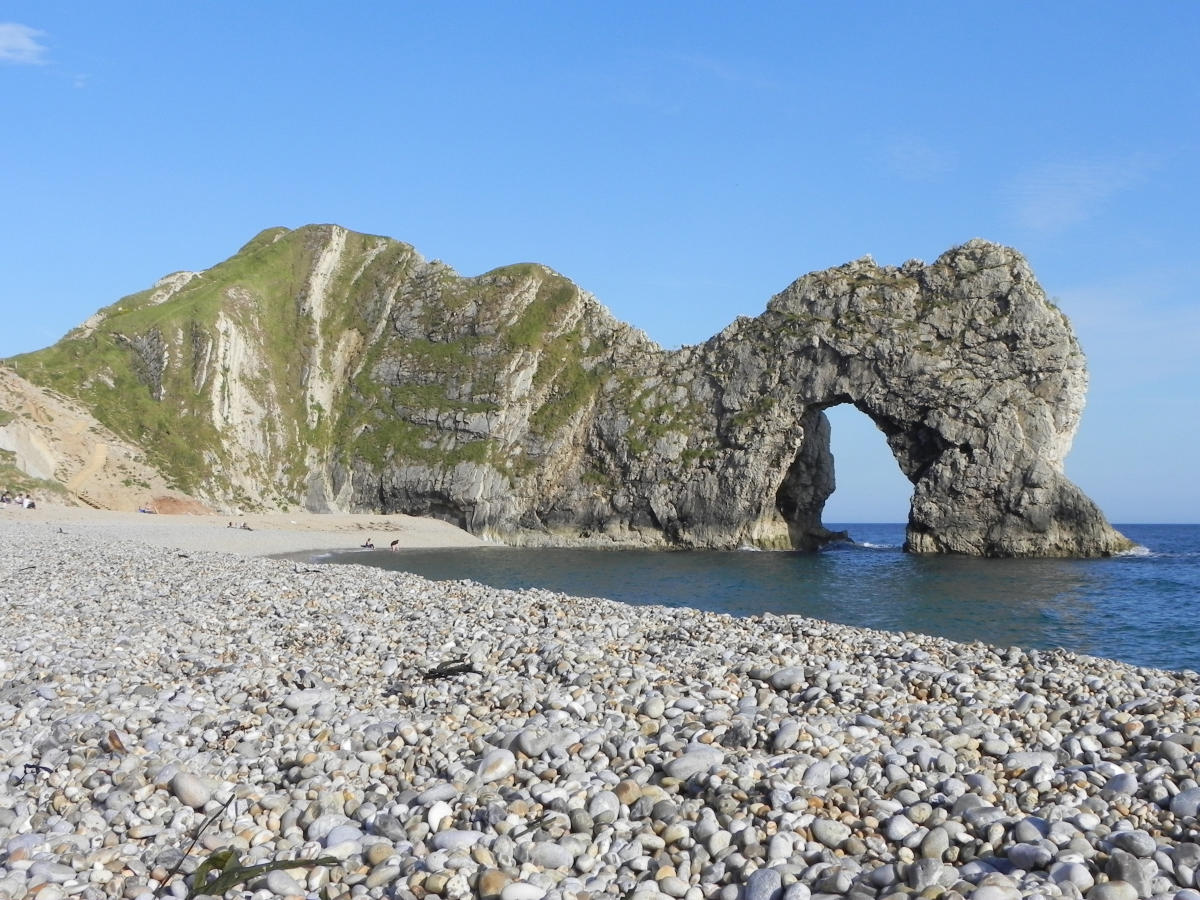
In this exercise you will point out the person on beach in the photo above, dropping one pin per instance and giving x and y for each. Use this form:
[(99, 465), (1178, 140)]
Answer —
[(394, 545), (368, 544)]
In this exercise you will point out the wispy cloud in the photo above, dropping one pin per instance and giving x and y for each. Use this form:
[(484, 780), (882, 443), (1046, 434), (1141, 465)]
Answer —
[(19, 44), (915, 159), (1058, 195)]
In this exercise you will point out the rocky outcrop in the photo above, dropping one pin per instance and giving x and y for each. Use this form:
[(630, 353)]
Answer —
[(341, 371)]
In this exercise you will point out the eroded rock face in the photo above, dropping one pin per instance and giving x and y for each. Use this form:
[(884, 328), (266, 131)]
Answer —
[(513, 404), (974, 378)]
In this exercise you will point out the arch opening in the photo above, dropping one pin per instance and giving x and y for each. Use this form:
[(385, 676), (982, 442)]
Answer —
[(872, 488), (875, 489)]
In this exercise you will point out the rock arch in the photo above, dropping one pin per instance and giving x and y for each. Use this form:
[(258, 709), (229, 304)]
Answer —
[(975, 379)]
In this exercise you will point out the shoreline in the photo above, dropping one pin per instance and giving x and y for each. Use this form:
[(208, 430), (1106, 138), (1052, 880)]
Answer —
[(269, 534), (452, 740)]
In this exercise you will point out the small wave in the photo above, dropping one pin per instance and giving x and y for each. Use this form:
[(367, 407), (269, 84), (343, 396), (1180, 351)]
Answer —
[(746, 548), (871, 546), (1137, 550)]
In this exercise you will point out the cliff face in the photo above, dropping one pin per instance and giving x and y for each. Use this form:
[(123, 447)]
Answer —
[(338, 371)]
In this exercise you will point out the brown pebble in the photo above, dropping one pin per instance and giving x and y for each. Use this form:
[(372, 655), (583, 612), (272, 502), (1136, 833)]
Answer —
[(491, 882), (379, 852), (628, 791)]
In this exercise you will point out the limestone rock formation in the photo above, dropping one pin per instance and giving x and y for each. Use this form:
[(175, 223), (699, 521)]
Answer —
[(341, 371)]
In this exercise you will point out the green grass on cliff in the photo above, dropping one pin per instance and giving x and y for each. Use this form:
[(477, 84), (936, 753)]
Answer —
[(455, 348), (255, 289)]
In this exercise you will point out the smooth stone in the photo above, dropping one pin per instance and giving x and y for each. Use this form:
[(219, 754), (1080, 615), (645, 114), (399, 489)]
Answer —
[(1138, 873), (763, 884), (1076, 873), (306, 699), (496, 766), (818, 775), (653, 707), (830, 833), (924, 873), (319, 828), (789, 678), (455, 839), (340, 834), (673, 886), (379, 852), (935, 844), (627, 791), (785, 736), (280, 883), (1112, 890), (582, 821), (532, 743), (696, 760), (1029, 759), (1030, 830), (1186, 804), (443, 791), (382, 874), (491, 883), (897, 828), (604, 807), (1029, 857), (1123, 783), (52, 871), (190, 790), (550, 855), (1138, 842), (438, 811)]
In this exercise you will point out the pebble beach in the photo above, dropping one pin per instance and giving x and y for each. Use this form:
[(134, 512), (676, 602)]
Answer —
[(392, 737)]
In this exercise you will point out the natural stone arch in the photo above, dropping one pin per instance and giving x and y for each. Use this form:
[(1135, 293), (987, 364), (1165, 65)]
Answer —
[(975, 379)]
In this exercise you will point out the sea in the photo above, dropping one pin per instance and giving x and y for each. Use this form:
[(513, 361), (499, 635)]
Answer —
[(1142, 607)]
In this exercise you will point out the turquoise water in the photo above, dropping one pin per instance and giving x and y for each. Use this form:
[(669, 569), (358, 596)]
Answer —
[(1142, 608)]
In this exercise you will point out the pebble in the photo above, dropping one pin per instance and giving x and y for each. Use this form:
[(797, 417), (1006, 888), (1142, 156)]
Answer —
[(830, 833), (496, 765), (594, 750), (281, 883), (190, 790), (522, 890), (1112, 890), (1186, 804), (764, 884), (693, 762)]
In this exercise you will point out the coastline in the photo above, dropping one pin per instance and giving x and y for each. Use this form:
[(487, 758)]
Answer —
[(270, 534), (447, 739)]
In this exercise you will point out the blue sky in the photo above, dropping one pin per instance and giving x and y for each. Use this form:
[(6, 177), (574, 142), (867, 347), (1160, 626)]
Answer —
[(682, 161)]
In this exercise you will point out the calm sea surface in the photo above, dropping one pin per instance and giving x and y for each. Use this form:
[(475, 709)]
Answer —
[(1143, 608)]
